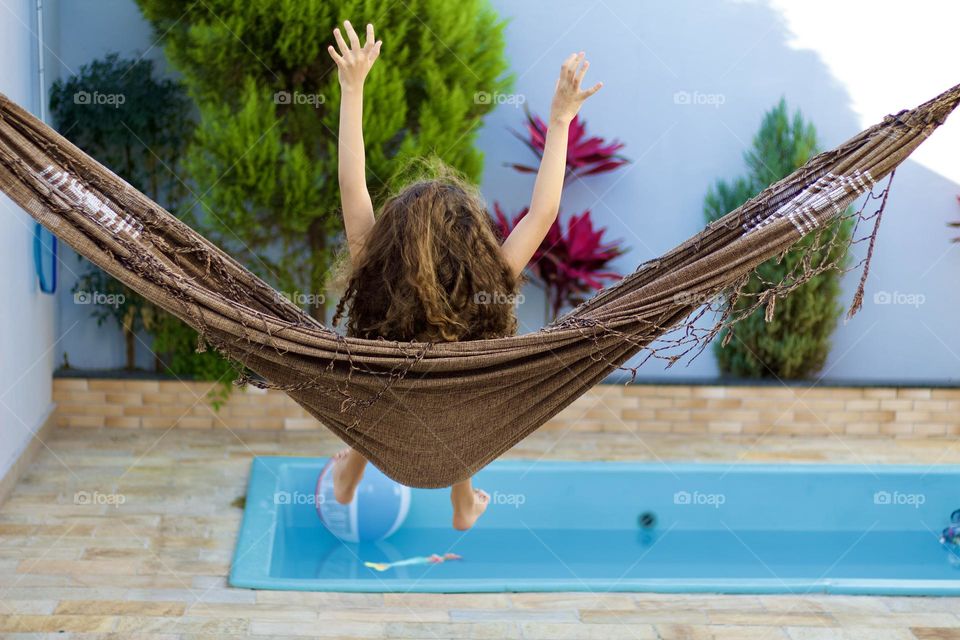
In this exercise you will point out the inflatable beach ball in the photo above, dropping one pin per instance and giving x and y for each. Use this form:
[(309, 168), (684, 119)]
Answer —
[(377, 511)]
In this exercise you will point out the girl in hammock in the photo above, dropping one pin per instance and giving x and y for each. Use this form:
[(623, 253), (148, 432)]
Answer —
[(429, 267)]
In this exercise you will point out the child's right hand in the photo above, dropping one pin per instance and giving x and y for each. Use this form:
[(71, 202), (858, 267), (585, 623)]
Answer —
[(569, 97), (354, 62)]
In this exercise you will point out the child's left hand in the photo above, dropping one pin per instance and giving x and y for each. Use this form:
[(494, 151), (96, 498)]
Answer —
[(568, 97), (353, 61)]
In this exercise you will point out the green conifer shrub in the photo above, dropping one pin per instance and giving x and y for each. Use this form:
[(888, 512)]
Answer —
[(264, 158), (796, 342)]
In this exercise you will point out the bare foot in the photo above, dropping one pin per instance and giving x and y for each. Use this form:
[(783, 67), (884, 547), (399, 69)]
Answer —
[(466, 511), (347, 472)]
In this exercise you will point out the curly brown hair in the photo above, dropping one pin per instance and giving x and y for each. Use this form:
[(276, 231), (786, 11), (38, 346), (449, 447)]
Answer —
[(431, 270)]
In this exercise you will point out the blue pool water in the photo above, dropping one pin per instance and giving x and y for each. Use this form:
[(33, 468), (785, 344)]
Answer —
[(576, 526)]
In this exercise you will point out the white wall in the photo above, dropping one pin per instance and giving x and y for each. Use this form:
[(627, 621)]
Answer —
[(645, 51), (109, 26), (27, 316)]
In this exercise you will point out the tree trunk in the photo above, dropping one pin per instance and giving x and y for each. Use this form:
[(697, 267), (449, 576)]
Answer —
[(547, 306), (317, 237), (131, 342)]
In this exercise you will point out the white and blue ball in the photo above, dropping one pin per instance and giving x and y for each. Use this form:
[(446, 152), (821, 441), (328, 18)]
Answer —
[(378, 510)]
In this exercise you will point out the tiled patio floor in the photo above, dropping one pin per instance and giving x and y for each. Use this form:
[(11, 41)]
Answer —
[(156, 566)]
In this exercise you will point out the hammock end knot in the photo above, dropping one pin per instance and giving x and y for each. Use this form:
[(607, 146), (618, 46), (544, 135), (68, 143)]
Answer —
[(855, 306), (727, 337)]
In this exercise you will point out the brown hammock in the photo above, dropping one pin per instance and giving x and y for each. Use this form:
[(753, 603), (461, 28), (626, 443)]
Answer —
[(429, 415)]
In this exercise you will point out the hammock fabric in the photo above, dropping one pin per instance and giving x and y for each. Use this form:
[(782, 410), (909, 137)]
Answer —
[(429, 415)]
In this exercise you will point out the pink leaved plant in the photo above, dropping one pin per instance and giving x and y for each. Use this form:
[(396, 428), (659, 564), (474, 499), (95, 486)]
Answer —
[(586, 156), (572, 262)]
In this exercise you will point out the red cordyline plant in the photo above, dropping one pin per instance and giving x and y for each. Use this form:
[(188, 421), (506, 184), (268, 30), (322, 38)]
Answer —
[(585, 156), (571, 262)]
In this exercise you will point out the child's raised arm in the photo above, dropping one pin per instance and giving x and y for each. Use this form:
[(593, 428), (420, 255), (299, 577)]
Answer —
[(523, 241), (353, 65)]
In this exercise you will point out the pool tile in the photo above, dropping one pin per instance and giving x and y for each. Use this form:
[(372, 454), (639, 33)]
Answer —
[(57, 623), (552, 631), (482, 615), (934, 633)]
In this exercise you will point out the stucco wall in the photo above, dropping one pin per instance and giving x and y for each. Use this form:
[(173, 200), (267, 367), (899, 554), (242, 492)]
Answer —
[(740, 55), (27, 337)]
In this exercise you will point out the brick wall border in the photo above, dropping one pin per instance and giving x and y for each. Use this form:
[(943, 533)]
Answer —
[(720, 408)]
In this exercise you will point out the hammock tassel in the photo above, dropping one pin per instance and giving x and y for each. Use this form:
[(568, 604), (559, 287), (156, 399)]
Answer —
[(861, 286), (727, 338)]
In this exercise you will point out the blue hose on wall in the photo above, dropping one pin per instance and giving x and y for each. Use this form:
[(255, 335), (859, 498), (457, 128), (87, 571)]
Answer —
[(45, 244)]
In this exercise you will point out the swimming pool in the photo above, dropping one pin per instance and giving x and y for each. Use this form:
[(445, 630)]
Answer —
[(599, 526)]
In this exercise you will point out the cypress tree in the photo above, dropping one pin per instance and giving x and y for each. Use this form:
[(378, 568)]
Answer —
[(796, 342), (264, 158)]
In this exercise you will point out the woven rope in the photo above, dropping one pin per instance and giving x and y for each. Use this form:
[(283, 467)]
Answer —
[(429, 415)]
